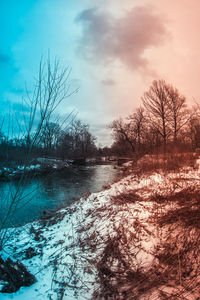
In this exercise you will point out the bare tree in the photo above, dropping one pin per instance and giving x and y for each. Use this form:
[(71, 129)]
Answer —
[(155, 101), (50, 135), (83, 141), (123, 132), (52, 86), (194, 131), (137, 126), (179, 115)]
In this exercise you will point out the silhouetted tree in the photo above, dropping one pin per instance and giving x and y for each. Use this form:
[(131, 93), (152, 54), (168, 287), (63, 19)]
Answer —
[(52, 86), (194, 131), (50, 135), (155, 101), (178, 113), (138, 122), (123, 133), (83, 141)]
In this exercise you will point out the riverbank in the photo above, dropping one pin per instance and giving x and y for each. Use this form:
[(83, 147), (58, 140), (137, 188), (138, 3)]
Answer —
[(43, 166), (39, 167), (139, 238), (56, 190)]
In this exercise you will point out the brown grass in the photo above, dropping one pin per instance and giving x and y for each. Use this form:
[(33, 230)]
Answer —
[(177, 256), (167, 162), (112, 258), (124, 198)]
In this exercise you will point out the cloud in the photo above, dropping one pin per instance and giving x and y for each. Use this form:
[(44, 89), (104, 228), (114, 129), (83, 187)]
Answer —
[(4, 59), (20, 108), (106, 38), (18, 91), (102, 132), (108, 82)]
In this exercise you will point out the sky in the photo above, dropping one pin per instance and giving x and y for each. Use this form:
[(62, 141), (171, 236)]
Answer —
[(115, 49)]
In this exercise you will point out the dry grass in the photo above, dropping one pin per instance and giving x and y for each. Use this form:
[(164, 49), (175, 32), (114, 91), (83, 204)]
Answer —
[(113, 255), (186, 195), (174, 272), (178, 252), (187, 211), (124, 198), (167, 162)]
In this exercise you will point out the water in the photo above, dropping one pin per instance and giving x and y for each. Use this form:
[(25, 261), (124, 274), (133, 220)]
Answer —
[(54, 191)]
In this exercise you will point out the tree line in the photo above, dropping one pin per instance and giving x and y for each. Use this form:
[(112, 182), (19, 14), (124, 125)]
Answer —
[(33, 133), (74, 141), (164, 123)]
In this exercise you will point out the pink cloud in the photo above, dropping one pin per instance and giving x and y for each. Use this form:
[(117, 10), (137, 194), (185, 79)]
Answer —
[(106, 38)]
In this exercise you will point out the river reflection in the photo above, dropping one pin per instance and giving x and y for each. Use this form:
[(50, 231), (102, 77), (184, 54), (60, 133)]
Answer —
[(55, 190)]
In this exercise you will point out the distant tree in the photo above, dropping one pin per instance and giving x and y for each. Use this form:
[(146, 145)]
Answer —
[(82, 142), (123, 133), (121, 147), (2, 137), (104, 151), (138, 122), (65, 147), (50, 135), (194, 131)]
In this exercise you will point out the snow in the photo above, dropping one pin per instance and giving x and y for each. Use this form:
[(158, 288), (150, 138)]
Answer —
[(128, 164), (60, 245)]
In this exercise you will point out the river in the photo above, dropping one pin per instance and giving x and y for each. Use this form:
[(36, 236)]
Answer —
[(54, 191)]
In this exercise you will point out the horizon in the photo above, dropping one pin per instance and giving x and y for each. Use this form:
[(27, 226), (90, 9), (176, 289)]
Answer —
[(115, 51)]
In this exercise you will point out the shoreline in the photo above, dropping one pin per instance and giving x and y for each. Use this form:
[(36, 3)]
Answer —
[(39, 170), (82, 240)]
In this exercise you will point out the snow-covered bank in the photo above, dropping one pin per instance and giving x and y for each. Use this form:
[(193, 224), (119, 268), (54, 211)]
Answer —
[(39, 167), (107, 245)]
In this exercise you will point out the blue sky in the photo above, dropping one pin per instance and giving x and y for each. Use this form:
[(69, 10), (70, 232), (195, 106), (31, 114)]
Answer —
[(30, 29), (115, 49)]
